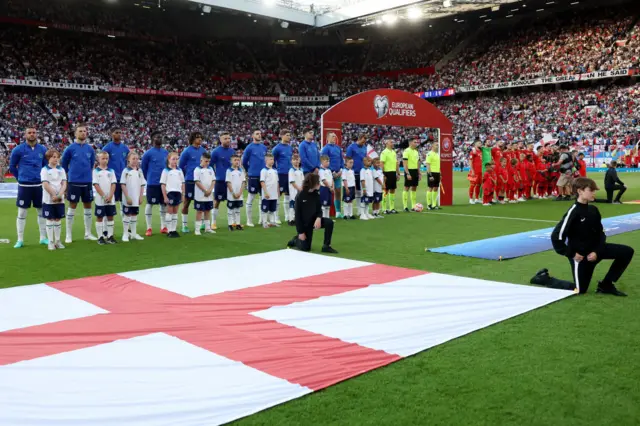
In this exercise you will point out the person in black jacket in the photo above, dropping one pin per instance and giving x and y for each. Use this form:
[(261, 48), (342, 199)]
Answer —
[(611, 184), (308, 216), (580, 237)]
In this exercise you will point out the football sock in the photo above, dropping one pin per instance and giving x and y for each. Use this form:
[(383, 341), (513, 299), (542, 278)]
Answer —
[(429, 198), (249, 207), (164, 217), (287, 210), (185, 220), (110, 228), (41, 224), (471, 191), (325, 211), (337, 205), (215, 216), (133, 224), (198, 225), (99, 229), (207, 225), (125, 224), (70, 216), (405, 199), (477, 192), (49, 230), (174, 221), (168, 222), (148, 215), (292, 213), (57, 228), (231, 217), (392, 201), (414, 196), (87, 221), (238, 215), (21, 222)]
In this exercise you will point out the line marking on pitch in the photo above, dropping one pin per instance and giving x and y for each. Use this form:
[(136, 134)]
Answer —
[(491, 217)]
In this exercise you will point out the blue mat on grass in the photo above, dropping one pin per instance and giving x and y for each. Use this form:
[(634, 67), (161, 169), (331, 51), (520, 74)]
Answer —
[(525, 243)]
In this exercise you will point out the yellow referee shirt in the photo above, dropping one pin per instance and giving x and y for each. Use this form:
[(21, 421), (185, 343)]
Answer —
[(433, 160), (390, 160), (412, 157)]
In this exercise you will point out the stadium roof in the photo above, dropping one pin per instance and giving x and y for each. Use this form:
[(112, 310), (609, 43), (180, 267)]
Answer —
[(324, 13)]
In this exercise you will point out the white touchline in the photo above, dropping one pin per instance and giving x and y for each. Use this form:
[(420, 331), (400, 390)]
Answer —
[(491, 217)]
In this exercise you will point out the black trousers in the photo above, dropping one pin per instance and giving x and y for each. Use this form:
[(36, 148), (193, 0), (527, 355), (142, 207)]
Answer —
[(612, 189), (583, 271), (305, 245)]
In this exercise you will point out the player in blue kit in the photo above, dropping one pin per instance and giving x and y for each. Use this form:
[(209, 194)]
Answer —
[(221, 162), (26, 163), (253, 163), (118, 153), (336, 164), (189, 160), (154, 162), (78, 161), (282, 156), (309, 153), (358, 151)]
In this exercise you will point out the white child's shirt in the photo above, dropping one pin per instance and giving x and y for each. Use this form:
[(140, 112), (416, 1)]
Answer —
[(104, 178), (54, 177), (236, 178), (173, 179), (295, 176), (348, 178), (270, 179), (377, 174), (133, 179), (326, 175), (206, 177), (366, 175)]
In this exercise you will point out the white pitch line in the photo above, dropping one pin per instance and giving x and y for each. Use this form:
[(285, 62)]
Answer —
[(491, 217)]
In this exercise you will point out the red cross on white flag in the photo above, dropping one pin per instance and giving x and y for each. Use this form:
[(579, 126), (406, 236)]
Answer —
[(210, 342)]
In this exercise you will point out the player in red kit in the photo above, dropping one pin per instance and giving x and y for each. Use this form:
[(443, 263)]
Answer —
[(503, 180), (541, 178), (512, 188), (524, 177), (475, 172), (531, 170), (583, 165), (488, 185)]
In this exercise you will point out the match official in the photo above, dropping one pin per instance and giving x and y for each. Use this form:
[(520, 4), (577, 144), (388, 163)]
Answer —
[(391, 171), (411, 164), (308, 216), (580, 237), (612, 183), (433, 177)]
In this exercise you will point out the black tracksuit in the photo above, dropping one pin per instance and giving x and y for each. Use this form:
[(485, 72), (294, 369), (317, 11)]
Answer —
[(308, 208), (581, 228), (613, 183)]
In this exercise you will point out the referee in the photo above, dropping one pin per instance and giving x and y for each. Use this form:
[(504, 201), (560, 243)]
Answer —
[(391, 171), (308, 216), (580, 237), (410, 162), (433, 177)]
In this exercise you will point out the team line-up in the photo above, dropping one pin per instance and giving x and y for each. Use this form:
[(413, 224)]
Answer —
[(46, 178)]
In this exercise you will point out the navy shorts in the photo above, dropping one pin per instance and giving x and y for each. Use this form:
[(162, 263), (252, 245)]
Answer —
[(154, 195), (203, 206), (53, 211), (283, 180), (234, 204), (254, 185), (77, 192), (269, 206), (325, 196), (28, 195), (102, 211), (220, 190), (130, 211), (118, 194), (365, 199), (352, 195), (358, 183), (189, 189), (377, 197), (175, 198)]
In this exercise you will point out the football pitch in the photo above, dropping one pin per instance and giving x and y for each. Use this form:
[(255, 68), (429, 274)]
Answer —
[(572, 362)]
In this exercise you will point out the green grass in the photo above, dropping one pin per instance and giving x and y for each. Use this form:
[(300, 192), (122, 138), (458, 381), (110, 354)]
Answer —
[(573, 362)]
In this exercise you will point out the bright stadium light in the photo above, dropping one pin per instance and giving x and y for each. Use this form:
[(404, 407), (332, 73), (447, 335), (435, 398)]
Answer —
[(269, 2), (390, 18), (414, 13)]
